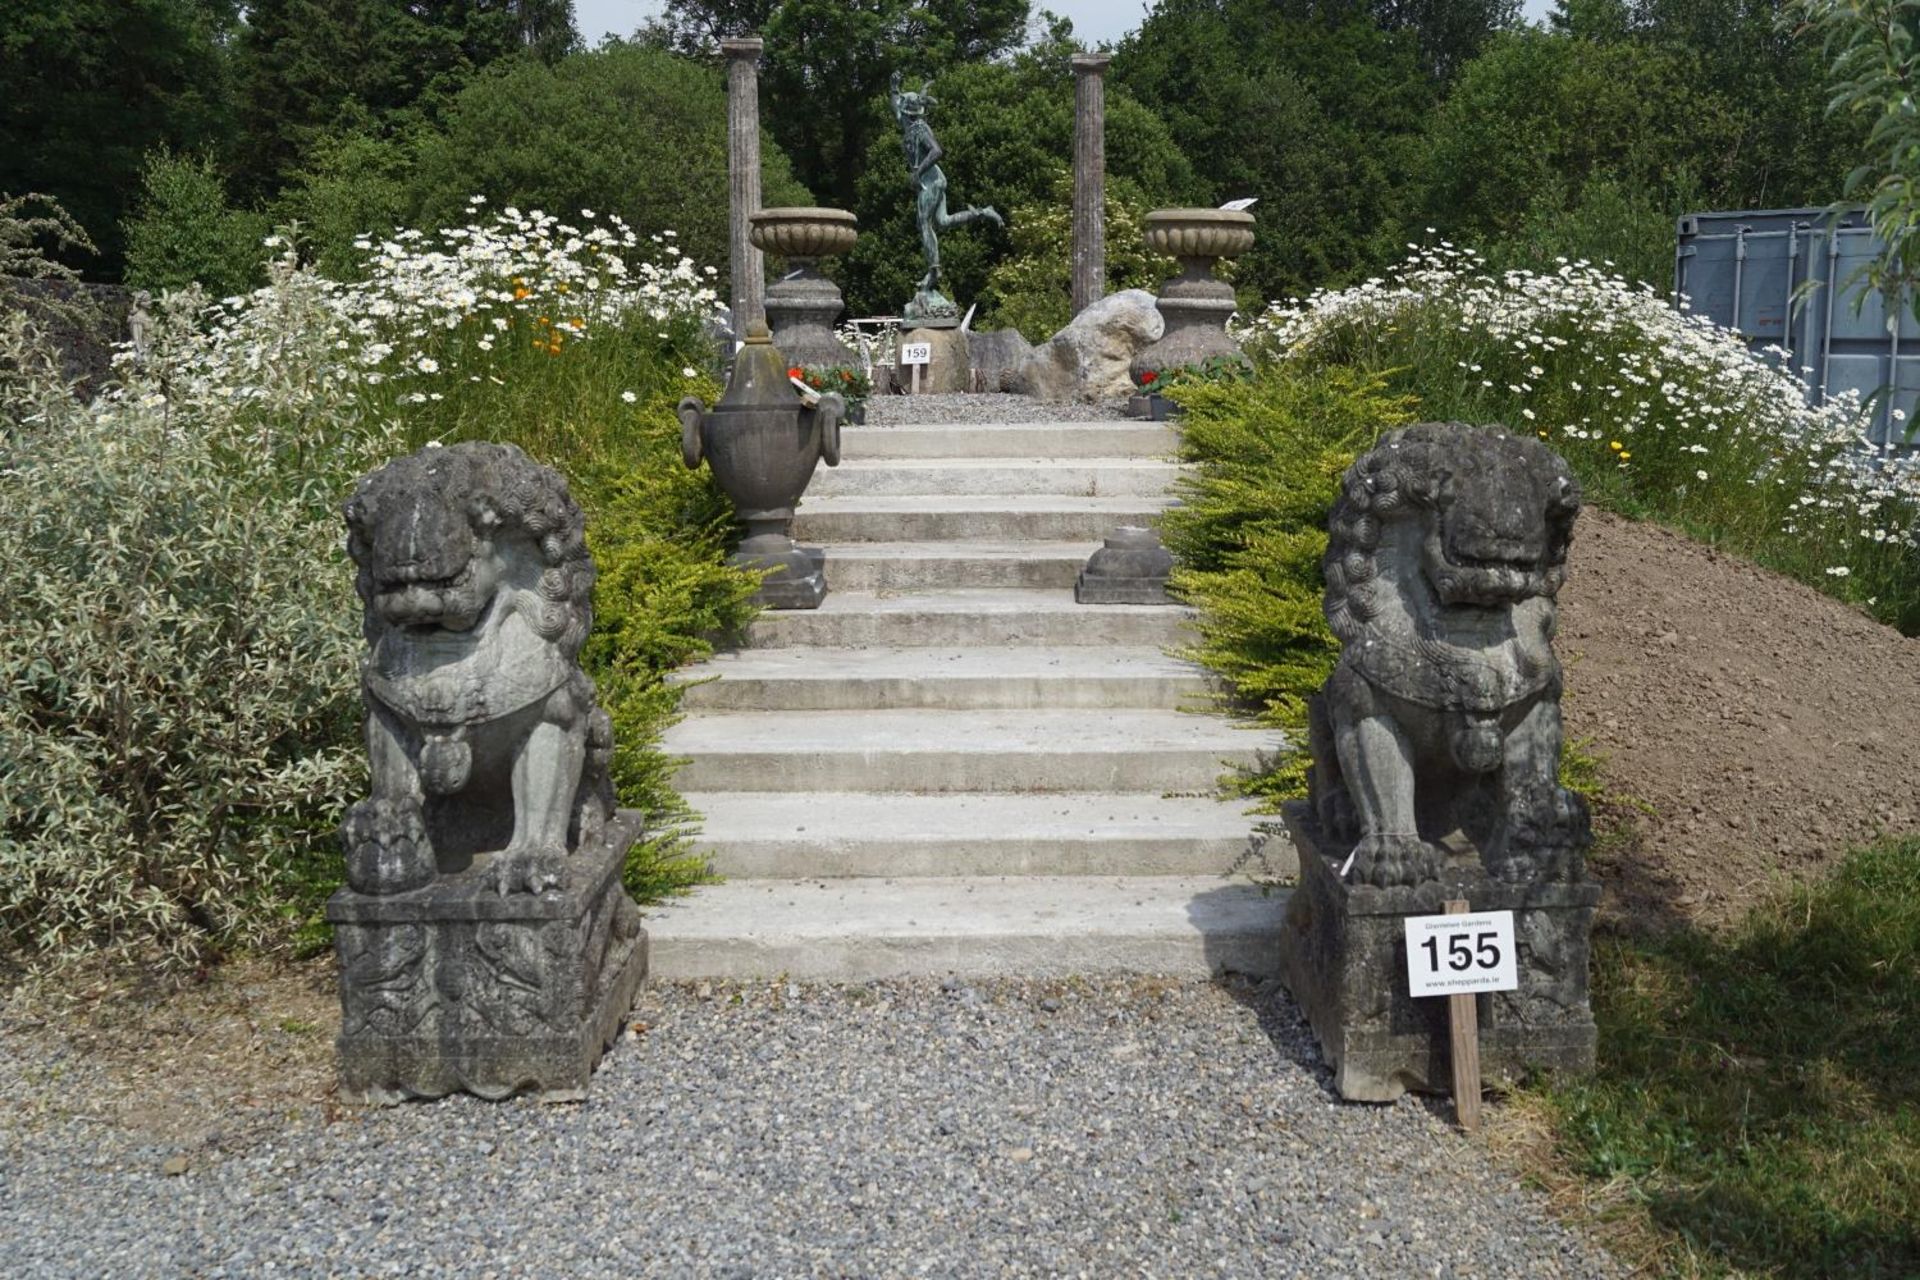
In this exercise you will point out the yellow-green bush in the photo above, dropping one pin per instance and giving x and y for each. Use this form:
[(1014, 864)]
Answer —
[(1251, 529)]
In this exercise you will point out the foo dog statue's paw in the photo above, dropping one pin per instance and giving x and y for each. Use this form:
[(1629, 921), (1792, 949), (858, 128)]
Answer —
[(387, 847), (528, 871), (1390, 861)]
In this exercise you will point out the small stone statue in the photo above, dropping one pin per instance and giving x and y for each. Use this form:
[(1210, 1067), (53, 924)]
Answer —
[(930, 308), (1436, 749), (484, 937), (1444, 555), (482, 730)]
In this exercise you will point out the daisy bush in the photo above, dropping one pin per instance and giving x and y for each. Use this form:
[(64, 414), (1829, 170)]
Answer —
[(1662, 413), (179, 724)]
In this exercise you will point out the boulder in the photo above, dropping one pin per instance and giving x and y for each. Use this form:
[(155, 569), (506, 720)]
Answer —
[(1088, 359), (947, 372), (995, 354)]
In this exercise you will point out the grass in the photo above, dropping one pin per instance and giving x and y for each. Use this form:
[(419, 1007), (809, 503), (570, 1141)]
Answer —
[(1756, 1110)]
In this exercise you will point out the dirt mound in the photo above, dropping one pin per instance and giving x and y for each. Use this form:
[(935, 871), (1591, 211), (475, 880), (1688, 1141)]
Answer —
[(1767, 726)]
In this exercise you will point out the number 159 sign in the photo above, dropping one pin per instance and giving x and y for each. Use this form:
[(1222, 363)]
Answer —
[(1452, 955)]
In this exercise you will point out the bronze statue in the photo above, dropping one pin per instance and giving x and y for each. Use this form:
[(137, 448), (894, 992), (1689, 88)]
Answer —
[(929, 307)]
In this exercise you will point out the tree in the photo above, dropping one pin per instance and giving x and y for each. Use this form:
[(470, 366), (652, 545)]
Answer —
[(184, 230), (626, 129), (89, 87), (311, 68), (1319, 114), (1870, 45)]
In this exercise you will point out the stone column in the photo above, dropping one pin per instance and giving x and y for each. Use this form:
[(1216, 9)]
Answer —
[(1089, 179), (748, 298)]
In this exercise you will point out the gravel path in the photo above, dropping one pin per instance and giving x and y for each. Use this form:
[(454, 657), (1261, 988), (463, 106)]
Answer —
[(1105, 1129), (896, 411)]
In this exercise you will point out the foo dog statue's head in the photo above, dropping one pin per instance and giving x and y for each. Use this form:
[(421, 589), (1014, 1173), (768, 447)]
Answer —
[(438, 535), (1445, 551), (1489, 516)]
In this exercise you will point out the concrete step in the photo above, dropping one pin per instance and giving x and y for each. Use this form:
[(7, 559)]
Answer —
[(1113, 439), (999, 477), (1040, 518), (946, 751), (814, 679), (859, 930), (785, 835), (936, 566), (965, 619)]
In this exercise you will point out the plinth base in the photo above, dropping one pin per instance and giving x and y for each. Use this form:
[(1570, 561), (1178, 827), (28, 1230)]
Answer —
[(454, 987), (796, 577), (1343, 954)]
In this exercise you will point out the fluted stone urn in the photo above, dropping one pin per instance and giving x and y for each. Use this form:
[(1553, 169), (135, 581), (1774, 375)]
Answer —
[(803, 304), (1195, 306), (763, 443)]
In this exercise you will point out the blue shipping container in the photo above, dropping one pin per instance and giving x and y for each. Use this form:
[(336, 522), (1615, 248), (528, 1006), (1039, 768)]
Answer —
[(1772, 274)]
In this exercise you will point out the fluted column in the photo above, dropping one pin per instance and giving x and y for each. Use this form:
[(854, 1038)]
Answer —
[(748, 298), (1089, 179)]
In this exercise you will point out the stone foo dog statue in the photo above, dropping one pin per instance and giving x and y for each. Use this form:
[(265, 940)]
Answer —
[(482, 731), (1446, 549)]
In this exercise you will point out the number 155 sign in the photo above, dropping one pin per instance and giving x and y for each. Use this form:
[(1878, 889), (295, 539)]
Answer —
[(1452, 955)]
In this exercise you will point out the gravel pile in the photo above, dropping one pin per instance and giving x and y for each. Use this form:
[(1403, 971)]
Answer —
[(914, 1129), (990, 407)]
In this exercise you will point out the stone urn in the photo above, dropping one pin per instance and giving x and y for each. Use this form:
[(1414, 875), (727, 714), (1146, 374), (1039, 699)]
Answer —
[(803, 304), (763, 442), (1195, 306)]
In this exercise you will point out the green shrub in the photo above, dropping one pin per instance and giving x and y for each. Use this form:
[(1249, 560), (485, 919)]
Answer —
[(352, 185), (1251, 529), (184, 231)]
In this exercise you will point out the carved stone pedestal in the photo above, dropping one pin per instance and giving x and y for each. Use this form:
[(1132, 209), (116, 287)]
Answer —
[(1343, 954), (455, 986)]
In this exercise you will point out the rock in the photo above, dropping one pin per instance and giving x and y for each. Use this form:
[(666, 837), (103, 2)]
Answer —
[(1088, 359), (994, 355), (948, 372), (174, 1166)]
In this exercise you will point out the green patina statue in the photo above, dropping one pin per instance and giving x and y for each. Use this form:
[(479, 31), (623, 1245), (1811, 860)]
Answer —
[(930, 308)]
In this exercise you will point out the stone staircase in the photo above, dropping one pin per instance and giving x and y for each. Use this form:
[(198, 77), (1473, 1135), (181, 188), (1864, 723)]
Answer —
[(951, 767)]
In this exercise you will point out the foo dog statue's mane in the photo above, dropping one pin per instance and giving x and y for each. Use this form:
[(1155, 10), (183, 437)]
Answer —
[(1402, 478), (505, 495)]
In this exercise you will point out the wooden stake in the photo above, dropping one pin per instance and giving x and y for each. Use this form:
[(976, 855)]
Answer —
[(1463, 1025)]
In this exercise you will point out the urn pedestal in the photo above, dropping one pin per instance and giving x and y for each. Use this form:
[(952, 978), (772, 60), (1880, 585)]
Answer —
[(457, 987), (763, 444), (803, 304), (1343, 955), (1195, 306)]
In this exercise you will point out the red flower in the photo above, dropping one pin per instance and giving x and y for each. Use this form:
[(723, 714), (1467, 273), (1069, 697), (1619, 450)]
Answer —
[(796, 372), (1148, 378)]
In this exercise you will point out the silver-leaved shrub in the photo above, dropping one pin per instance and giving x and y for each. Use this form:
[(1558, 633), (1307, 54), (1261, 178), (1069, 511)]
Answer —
[(177, 674)]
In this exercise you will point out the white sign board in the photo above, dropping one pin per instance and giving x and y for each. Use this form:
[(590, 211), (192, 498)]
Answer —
[(1452, 955), (916, 353)]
